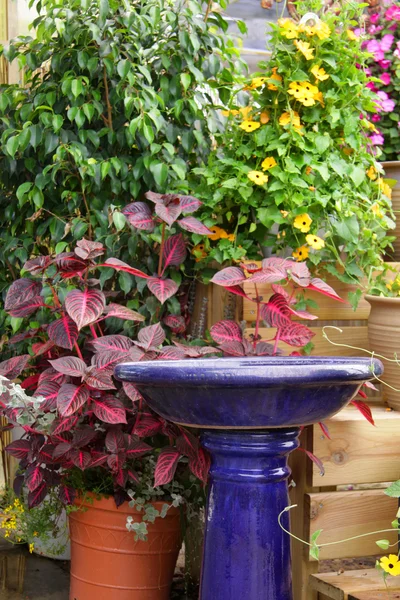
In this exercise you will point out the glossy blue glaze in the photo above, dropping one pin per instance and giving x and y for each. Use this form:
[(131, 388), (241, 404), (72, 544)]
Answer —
[(251, 392), (246, 553)]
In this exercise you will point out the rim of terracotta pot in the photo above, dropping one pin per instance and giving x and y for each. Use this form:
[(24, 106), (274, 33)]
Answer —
[(383, 299), (108, 503), (390, 163)]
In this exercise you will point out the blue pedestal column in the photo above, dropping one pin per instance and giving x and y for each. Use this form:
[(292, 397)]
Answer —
[(246, 553)]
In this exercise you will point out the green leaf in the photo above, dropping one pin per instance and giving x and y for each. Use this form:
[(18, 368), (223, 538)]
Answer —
[(22, 192), (104, 10), (160, 173), (60, 247), (322, 142), (76, 87), (179, 169), (314, 552), (79, 229), (354, 298), (37, 197), (119, 220), (357, 174), (148, 132), (348, 229), (395, 524), (384, 544), (16, 323), (12, 145), (185, 80), (123, 68), (57, 122), (315, 535), (88, 109), (393, 490)]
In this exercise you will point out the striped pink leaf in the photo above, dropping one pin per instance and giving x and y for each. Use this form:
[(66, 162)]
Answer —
[(68, 262), (229, 277), (268, 275), (300, 274), (134, 449), (119, 265), (189, 204), (49, 391), (63, 332), (115, 440), (37, 265), (87, 250), (174, 251), (131, 391), (21, 291), (176, 323), (67, 494), (232, 348), (69, 365), (162, 288), (71, 398), (171, 353), (318, 285), (106, 360), (276, 312), (42, 347), (100, 379), (166, 466), (168, 211), (151, 336), (117, 343), (226, 331), (27, 308), (12, 367), (139, 215), (147, 425), (109, 409), (122, 312), (19, 449), (200, 465), (296, 334), (33, 477), (38, 495), (194, 226), (85, 307)]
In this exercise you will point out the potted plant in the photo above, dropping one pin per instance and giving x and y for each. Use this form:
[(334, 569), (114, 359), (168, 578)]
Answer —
[(83, 431), (295, 173)]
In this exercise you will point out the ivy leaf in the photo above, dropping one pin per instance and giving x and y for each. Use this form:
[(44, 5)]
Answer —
[(393, 490), (348, 229)]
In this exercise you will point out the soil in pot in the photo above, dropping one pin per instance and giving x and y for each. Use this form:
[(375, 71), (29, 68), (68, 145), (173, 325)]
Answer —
[(384, 339), (106, 561)]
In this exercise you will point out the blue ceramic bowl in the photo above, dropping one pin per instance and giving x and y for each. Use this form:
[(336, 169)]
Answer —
[(249, 392)]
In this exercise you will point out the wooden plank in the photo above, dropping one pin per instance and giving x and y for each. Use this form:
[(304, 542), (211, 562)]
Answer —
[(352, 336), (338, 586), (343, 515), (358, 452), (382, 595)]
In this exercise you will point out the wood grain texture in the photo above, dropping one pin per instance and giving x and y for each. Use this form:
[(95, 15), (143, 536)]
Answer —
[(343, 515), (339, 586), (358, 452), (382, 595)]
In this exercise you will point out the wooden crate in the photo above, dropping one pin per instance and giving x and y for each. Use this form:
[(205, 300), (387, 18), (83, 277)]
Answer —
[(357, 453), (355, 585)]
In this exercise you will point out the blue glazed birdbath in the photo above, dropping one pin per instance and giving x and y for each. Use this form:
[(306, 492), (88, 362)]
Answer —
[(250, 410)]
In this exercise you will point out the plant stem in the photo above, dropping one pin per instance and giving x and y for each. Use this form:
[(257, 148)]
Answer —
[(78, 350), (93, 331), (109, 107), (276, 342), (257, 318), (160, 260), (208, 10)]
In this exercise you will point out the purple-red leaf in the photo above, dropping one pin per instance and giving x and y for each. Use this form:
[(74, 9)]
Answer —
[(266, 275), (83, 436), (229, 277), (176, 323), (171, 353), (116, 343), (187, 444), (139, 215), (27, 308), (14, 366), (49, 391), (189, 204), (134, 449), (68, 262), (105, 361), (162, 288), (63, 332), (38, 495), (174, 251), (232, 348), (81, 459), (131, 391), (194, 226), (300, 273), (71, 398), (280, 289), (364, 410), (19, 449), (119, 265), (226, 331), (168, 211), (115, 441), (62, 425), (85, 307), (100, 379), (166, 466), (324, 430), (318, 285), (296, 334), (147, 425), (37, 265), (276, 312), (69, 365), (67, 494), (122, 312), (200, 465), (40, 348), (151, 336), (317, 461), (20, 292), (33, 477), (109, 409), (87, 250)]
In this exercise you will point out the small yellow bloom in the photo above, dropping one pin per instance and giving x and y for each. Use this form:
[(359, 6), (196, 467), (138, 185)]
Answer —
[(305, 49), (304, 91), (268, 163), (319, 97), (301, 253), (322, 30), (288, 28), (308, 170), (368, 125), (257, 177), (291, 119), (385, 188), (7, 534), (302, 222), (264, 118), (351, 35), (216, 235), (35, 533), (231, 237), (228, 113), (199, 252), (315, 242), (371, 172), (284, 213), (245, 111), (390, 564), (276, 77), (257, 82), (389, 285), (376, 210), (31, 548), (249, 126), (319, 73)]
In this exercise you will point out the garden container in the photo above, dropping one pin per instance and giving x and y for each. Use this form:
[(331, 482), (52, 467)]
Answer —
[(384, 339), (106, 561), (392, 171), (251, 410)]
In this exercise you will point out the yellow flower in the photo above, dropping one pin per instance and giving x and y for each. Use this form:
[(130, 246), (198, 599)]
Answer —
[(389, 285), (291, 119), (257, 82), (390, 564), (35, 533), (264, 118), (268, 163), (385, 188), (288, 28), (249, 126), (371, 172), (305, 49), (245, 111), (231, 237), (319, 73), (315, 242), (376, 210), (284, 213), (228, 113), (301, 253), (31, 548), (7, 534), (320, 98), (351, 35), (369, 125), (199, 252), (216, 235), (322, 30), (308, 170), (257, 177), (304, 91), (302, 222), (276, 77)]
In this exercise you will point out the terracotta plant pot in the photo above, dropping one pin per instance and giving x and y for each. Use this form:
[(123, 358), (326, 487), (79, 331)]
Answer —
[(384, 339), (107, 563), (392, 171)]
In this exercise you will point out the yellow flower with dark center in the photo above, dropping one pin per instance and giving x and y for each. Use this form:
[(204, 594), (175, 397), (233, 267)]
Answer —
[(257, 82), (216, 235), (302, 222), (274, 76), (301, 253), (322, 30), (288, 28), (264, 118), (315, 242), (319, 97), (371, 172), (390, 564), (249, 126), (319, 73), (257, 177), (268, 163), (291, 119), (199, 252), (351, 35), (305, 49), (304, 91)]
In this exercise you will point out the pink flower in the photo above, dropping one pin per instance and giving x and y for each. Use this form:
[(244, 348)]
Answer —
[(393, 27), (393, 13), (396, 53), (377, 139), (370, 85), (374, 18), (385, 63), (374, 29), (387, 42), (375, 118), (374, 47), (384, 103), (367, 71), (385, 78)]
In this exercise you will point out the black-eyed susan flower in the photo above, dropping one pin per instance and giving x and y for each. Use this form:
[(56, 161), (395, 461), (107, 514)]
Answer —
[(320, 29), (390, 564), (275, 77), (319, 73), (305, 49), (288, 28), (249, 126), (268, 163), (257, 82), (303, 222), (385, 188), (304, 91), (293, 119), (300, 254), (376, 210), (257, 177), (199, 252), (315, 242), (216, 233)]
